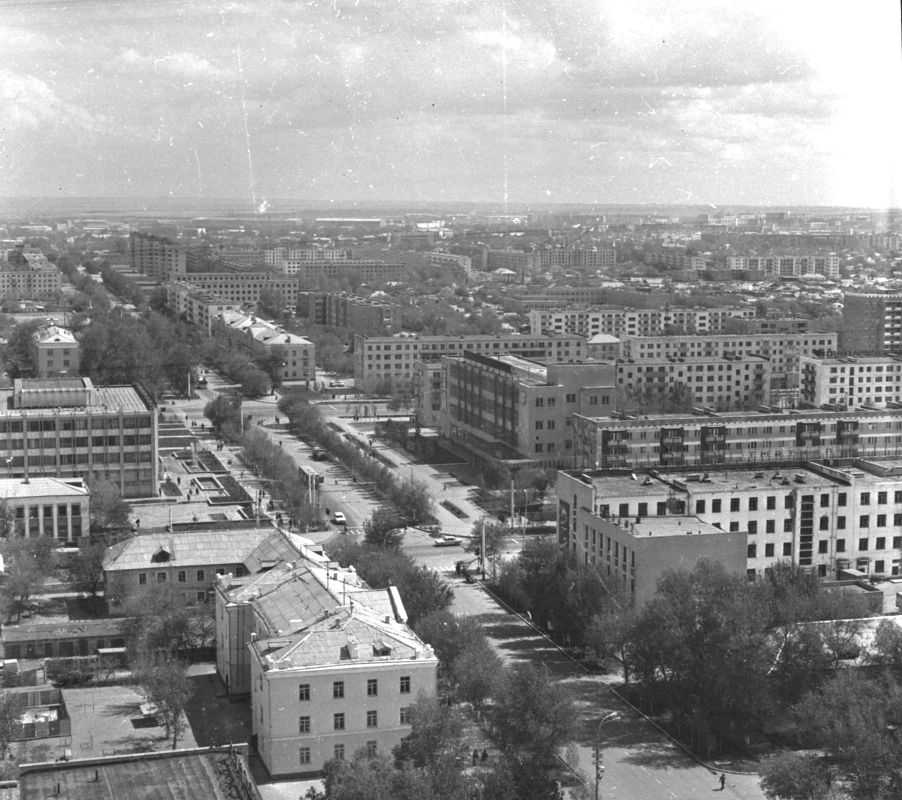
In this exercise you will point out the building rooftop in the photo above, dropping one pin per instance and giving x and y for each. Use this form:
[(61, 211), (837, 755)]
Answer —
[(19, 489), (63, 395), (156, 516), (64, 630), (54, 334), (670, 526), (195, 548)]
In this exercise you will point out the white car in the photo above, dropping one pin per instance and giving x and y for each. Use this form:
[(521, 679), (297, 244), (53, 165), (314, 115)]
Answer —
[(339, 519), (446, 541)]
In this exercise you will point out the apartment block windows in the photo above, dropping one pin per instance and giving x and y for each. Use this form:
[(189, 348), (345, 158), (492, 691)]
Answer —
[(304, 692), (303, 724), (338, 722), (304, 755), (339, 752), (372, 719), (338, 690), (372, 687), (405, 684)]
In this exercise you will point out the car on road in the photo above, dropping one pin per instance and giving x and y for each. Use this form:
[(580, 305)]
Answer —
[(319, 455), (339, 518), (446, 541), (339, 384)]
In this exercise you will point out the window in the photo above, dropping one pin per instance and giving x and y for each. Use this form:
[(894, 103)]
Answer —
[(788, 501), (734, 504), (864, 521), (863, 544), (339, 752), (699, 506), (822, 546), (183, 576), (303, 724), (540, 402), (142, 579), (753, 504), (881, 543), (734, 526), (865, 498), (841, 499), (304, 755), (372, 749), (787, 548), (405, 716), (753, 527), (405, 684), (787, 525), (840, 523), (372, 719), (881, 498), (770, 526), (161, 577), (200, 576), (771, 503), (715, 506), (338, 722), (338, 690), (881, 520), (372, 687), (769, 550), (840, 545), (825, 501), (753, 551), (304, 692)]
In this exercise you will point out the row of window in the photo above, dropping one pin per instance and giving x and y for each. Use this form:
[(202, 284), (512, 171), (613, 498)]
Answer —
[(338, 688), (52, 424), (338, 721), (181, 576)]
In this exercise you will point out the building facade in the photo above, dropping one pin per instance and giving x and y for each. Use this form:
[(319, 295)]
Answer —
[(195, 305), (68, 428), (393, 357), (156, 256), (783, 266), (48, 507), (342, 310), (622, 322), (872, 381), (244, 287), (28, 275), (55, 352), (516, 410), (872, 322)]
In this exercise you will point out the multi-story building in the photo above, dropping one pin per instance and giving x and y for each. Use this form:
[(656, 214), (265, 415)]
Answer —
[(276, 257), (55, 352), (872, 322), (603, 346), (874, 381), (783, 266), (622, 322), (51, 507), (26, 274), (677, 260), (828, 519), (156, 256), (258, 338), (707, 438), (783, 350), (193, 561), (724, 381), (393, 357), (459, 266), (69, 428), (427, 393), (518, 410), (245, 287), (364, 223), (412, 238), (195, 305), (314, 639), (342, 310)]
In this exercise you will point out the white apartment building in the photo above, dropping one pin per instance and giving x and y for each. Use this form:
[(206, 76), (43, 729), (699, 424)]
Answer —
[(787, 266), (622, 322), (874, 381)]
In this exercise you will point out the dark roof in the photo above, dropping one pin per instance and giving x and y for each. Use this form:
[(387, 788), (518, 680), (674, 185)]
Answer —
[(63, 630)]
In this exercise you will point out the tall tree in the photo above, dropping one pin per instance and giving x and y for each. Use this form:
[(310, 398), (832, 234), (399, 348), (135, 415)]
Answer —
[(108, 510), (383, 529)]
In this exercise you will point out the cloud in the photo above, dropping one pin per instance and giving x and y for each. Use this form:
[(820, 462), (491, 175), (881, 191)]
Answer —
[(29, 104)]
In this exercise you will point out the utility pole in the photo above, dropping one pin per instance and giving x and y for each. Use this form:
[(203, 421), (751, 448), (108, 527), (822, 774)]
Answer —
[(512, 506), (597, 752), (482, 550)]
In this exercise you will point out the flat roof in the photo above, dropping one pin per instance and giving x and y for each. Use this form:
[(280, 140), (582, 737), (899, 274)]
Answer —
[(19, 488), (110, 399), (672, 526)]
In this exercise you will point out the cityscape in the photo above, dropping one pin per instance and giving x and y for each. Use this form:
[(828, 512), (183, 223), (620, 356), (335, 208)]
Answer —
[(530, 375)]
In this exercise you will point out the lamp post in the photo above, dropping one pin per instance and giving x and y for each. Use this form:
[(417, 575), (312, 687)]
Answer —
[(613, 716)]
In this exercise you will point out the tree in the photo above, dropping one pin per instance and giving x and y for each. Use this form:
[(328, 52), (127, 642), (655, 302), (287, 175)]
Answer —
[(165, 683), (28, 563), (158, 622), (224, 413), (271, 303), (436, 736), (108, 509), (532, 712), (423, 591), (610, 634), (449, 635), (84, 569), (255, 382), (494, 533), (273, 363), (383, 529), (477, 673), (792, 776), (19, 352), (411, 499)]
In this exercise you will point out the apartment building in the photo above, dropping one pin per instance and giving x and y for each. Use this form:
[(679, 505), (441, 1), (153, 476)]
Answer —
[(258, 338), (828, 519), (332, 666), (244, 287), (678, 260), (52, 507), (427, 393), (342, 310), (156, 256), (873, 381), (724, 381), (277, 256), (393, 357), (55, 352), (368, 271), (518, 410), (784, 266), (68, 428), (459, 266), (26, 274), (783, 350), (872, 322), (195, 305), (622, 322), (711, 437)]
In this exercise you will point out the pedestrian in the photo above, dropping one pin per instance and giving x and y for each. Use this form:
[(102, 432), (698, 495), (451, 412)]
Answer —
[(485, 756), (475, 757), (723, 780)]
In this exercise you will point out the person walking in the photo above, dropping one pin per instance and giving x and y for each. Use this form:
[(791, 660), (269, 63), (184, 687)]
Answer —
[(723, 780), (475, 757), (485, 756)]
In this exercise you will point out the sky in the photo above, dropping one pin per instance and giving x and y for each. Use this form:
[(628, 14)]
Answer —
[(772, 102)]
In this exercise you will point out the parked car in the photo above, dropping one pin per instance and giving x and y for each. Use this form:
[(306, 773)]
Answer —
[(446, 541), (339, 518)]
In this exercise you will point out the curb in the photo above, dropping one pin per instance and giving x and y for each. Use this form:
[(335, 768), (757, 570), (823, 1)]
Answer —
[(676, 741)]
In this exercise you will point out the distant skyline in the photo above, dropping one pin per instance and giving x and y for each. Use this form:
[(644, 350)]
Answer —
[(536, 101)]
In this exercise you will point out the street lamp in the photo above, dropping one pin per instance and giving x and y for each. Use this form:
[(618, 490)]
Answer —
[(613, 716)]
